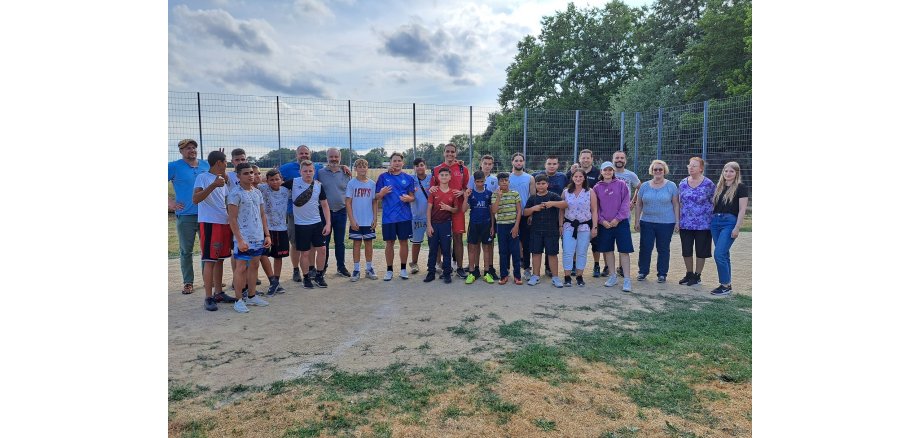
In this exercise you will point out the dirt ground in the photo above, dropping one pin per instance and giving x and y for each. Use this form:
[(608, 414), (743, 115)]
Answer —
[(372, 323)]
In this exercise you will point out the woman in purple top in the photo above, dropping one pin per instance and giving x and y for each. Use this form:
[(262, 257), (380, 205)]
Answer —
[(696, 193), (610, 218)]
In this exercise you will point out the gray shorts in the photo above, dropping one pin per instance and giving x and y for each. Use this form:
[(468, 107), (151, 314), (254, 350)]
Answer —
[(419, 231)]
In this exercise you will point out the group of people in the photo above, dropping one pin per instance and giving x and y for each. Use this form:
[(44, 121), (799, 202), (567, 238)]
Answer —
[(296, 210)]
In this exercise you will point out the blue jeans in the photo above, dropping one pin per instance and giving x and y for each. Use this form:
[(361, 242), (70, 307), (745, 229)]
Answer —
[(575, 250), (655, 235), (186, 227), (339, 220), (721, 226), (440, 240), (508, 247)]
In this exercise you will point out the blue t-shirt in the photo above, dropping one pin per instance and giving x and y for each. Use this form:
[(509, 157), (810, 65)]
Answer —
[(480, 207), (420, 205), (556, 182), (521, 184), (292, 170), (183, 178), (657, 206), (394, 210)]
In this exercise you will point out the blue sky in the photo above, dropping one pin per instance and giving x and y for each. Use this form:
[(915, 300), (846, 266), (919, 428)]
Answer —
[(439, 52)]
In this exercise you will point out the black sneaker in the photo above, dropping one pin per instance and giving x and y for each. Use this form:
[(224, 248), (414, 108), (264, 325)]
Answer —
[(223, 298), (461, 273), (272, 288), (312, 273), (662, 278), (694, 279), (686, 278), (722, 291), (619, 271), (297, 276), (430, 277), (606, 271), (447, 278), (580, 281), (344, 273), (321, 281), (597, 271), (567, 282), (210, 304), (307, 283), (641, 277)]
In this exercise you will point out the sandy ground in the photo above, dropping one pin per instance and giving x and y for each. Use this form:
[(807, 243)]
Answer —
[(372, 323)]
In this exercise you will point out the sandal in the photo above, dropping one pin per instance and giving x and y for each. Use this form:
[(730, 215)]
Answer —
[(187, 289)]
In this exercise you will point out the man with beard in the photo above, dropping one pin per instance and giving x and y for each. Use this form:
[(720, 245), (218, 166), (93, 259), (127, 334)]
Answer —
[(182, 174), (523, 183), (335, 182)]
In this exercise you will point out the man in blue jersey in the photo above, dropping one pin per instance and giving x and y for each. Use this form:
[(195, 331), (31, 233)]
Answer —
[(397, 190)]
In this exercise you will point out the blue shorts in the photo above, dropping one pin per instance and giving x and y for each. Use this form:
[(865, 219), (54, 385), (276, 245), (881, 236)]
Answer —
[(397, 230), (363, 233), (255, 251), (419, 230), (619, 234)]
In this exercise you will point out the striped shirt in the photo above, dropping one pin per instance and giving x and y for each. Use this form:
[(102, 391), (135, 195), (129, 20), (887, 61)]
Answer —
[(507, 212)]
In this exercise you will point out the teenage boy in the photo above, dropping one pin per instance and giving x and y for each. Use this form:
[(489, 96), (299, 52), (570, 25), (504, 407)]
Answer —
[(246, 214), (311, 221), (397, 190), (522, 182), (486, 164), (545, 229), (276, 200), (237, 156), (210, 195), (361, 207), (290, 171), (481, 232), (506, 206), (442, 206), (419, 211), (610, 218), (459, 178)]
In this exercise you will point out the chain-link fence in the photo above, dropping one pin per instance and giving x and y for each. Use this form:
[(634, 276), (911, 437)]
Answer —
[(269, 128)]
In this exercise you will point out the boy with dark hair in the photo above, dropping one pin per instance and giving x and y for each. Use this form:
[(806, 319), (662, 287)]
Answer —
[(481, 232), (250, 236), (210, 194), (397, 190), (442, 205), (276, 199), (506, 206), (419, 211), (546, 227)]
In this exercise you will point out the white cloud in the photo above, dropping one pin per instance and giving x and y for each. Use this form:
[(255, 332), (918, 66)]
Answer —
[(246, 35), (313, 9)]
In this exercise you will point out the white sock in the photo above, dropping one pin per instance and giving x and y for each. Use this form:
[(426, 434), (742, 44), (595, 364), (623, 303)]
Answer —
[(357, 266), (369, 265)]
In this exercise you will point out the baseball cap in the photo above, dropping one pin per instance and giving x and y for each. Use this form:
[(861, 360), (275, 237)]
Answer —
[(606, 165), (183, 143)]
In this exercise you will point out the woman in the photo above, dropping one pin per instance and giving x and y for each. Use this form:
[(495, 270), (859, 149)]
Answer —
[(576, 227), (730, 203), (657, 213), (696, 193)]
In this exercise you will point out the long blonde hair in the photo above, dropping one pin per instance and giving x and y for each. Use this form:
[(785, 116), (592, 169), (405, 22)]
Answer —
[(727, 194)]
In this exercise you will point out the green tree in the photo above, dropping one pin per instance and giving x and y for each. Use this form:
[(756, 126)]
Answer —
[(375, 157), (276, 157), (720, 59), (656, 87)]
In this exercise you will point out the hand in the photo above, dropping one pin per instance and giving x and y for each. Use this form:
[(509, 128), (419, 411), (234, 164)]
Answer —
[(346, 170), (430, 231), (636, 226), (445, 207), (326, 230), (676, 228), (243, 246), (458, 193), (560, 229), (374, 224), (573, 168), (268, 242), (468, 192), (529, 220), (593, 232), (735, 232), (386, 190), (614, 223), (514, 231), (492, 231), (219, 181), (432, 189), (405, 198), (171, 204), (460, 161), (354, 226), (179, 206), (606, 224)]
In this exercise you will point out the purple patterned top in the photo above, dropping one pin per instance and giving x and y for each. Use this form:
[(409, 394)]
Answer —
[(696, 204), (579, 209)]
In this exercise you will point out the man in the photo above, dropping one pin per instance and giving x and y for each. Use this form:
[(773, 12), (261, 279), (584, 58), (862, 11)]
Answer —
[(556, 182), (459, 179), (182, 174), (335, 182), (237, 156), (290, 171), (592, 175), (632, 182), (523, 183)]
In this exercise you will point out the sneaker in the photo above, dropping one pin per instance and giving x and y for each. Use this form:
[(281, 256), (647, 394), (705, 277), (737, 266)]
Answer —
[(534, 279), (307, 283), (580, 281), (312, 273), (210, 304), (448, 278), (255, 301), (611, 281), (413, 268), (662, 278), (558, 283), (388, 276), (355, 276), (627, 285), (258, 282), (686, 278), (438, 270), (272, 289), (568, 281), (518, 281), (528, 272), (722, 291), (470, 278), (597, 271), (605, 272), (403, 274), (641, 277), (297, 277), (342, 272), (240, 306), (430, 277), (694, 279), (461, 272), (620, 271), (321, 281), (187, 288), (488, 278), (370, 274), (223, 298), (503, 280), (280, 289)]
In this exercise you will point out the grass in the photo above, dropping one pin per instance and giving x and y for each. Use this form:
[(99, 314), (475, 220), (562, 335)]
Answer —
[(538, 360), (544, 424), (519, 331)]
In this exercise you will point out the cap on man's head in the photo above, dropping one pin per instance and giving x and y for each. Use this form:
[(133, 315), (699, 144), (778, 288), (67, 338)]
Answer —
[(606, 165), (185, 142)]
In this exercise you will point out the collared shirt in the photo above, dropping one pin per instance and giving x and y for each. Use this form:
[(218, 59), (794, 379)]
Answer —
[(183, 178), (335, 184)]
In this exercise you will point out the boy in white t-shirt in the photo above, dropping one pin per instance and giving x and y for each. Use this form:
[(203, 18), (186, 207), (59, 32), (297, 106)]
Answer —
[(246, 214), (361, 206), (276, 201), (210, 195)]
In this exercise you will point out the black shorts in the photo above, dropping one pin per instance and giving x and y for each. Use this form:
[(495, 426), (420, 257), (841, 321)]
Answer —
[(281, 246), (309, 236), (480, 234), (594, 243), (544, 243), (702, 239)]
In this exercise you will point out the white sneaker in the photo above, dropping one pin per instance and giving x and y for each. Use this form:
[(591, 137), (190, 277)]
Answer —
[(388, 276), (370, 274), (611, 281), (533, 280), (413, 268), (256, 301), (627, 285), (403, 274), (557, 282), (240, 306)]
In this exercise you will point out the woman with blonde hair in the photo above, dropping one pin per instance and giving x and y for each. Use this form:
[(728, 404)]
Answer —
[(657, 213), (696, 193), (730, 203)]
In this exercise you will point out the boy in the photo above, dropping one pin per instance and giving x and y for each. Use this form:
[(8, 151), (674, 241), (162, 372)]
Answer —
[(361, 207), (419, 211), (546, 227), (250, 236), (311, 221), (210, 194), (276, 199), (442, 205), (506, 206), (397, 190), (612, 214), (481, 232), (486, 163)]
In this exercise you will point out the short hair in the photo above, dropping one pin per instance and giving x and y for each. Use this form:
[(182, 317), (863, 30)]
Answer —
[(215, 157), (450, 144), (552, 157), (702, 163), (502, 175), (444, 169), (361, 162), (486, 157), (272, 173), (662, 163), (516, 154), (478, 175), (242, 166), (620, 151), (305, 163), (586, 151), (185, 142), (540, 178), (237, 152), (418, 161), (397, 154)]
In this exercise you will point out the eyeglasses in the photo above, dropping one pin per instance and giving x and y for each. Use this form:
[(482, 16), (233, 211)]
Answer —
[(657, 169)]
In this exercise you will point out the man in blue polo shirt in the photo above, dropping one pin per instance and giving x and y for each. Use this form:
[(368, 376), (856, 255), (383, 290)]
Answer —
[(182, 174)]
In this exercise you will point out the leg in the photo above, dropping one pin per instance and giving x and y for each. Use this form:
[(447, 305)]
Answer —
[(722, 238), (240, 278), (624, 262), (568, 252), (663, 233), (266, 266), (368, 251), (581, 251), (356, 251), (458, 247), (320, 257), (252, 272), (524, 239), (186, 227), (277, 268), (646, 243), (553, 263), (515, 244), (474, 256), (388, 252), (404, 251), (416, 248), (486, 256), (295, 254), (208, 275), (339, 222), (445, 248)]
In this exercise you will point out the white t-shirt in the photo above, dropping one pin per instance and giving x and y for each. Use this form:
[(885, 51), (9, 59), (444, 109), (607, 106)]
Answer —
[(275, 206), (212, 209), (249, 216), (362, 200), (307, 214)]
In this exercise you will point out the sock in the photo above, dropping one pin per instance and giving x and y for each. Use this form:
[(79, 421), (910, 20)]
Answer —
[(568, 278), (389, 268), (597, 264), (312, 268), (402, 266), (357, 266), (368, 266), (296, 269)]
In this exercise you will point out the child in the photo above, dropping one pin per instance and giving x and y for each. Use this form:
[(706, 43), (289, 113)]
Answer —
[(610, 210), (210, 194), (442, 205), (419, 211), (361, 207), (397, 190), (546, 227), (276, 199), (250, 236), (311, 211), (481, 229), (506, 206), (486, 163)]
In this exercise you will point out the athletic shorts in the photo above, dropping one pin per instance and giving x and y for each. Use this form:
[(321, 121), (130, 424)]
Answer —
[(606, 237), (458, 219), (419, 230), (310, 236), (255, 251), (216, 241), (281, 246), (594, 241), (397, 230), (702, 239), (544, 243), (480, 234), (363, 233), (292, 231)]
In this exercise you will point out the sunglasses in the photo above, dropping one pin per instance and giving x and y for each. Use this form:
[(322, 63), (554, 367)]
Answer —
[(658, 170)]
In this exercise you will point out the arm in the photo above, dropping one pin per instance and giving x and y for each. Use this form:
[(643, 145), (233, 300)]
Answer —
[(637, 200), (517, 219), (466, 200), (268, 237), (430, 230), (594, 223), (374, 205), (350, 213), (742, 209), (675, 201), (202, 194), (233, 212), (498, 199), (562, 220), (533, 186), (328, 216)]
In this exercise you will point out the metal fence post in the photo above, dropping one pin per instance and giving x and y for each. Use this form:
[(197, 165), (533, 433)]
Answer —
[(575, 148), (636, 158), (525, 137), (351, 150), (660, 112), (471, 136), (278, 119), (414, 141), (705, 127), (200, 133)]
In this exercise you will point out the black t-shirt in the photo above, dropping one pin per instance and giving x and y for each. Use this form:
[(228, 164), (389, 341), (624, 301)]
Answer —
[(730, 207), (544, 221), (591, 177)]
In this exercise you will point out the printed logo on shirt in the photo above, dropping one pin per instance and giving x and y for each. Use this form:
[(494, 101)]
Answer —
[(363, 193)]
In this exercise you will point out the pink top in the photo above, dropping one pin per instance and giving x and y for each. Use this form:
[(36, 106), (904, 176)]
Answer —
[(612, 200)]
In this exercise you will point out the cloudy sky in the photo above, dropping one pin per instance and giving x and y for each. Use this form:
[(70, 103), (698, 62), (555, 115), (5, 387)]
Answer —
[(439, 52)]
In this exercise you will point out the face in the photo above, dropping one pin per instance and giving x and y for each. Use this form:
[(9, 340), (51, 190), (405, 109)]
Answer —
[(275, 182), (619, 159), (585, 160), (518, 162), (542, 186), (303, 153), (220, 166), (486, 166), (258, 175), (480, 184), (189, 152), (658, 171), (307, 172), (607, 173), (444, 177), (333, 157), (503, 184), (551, 165), (362, 171), (247, 176), (694, 167), (450, 154), (729, 174), (237, 159), (420, 169), (578, 178), (396, 162)]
